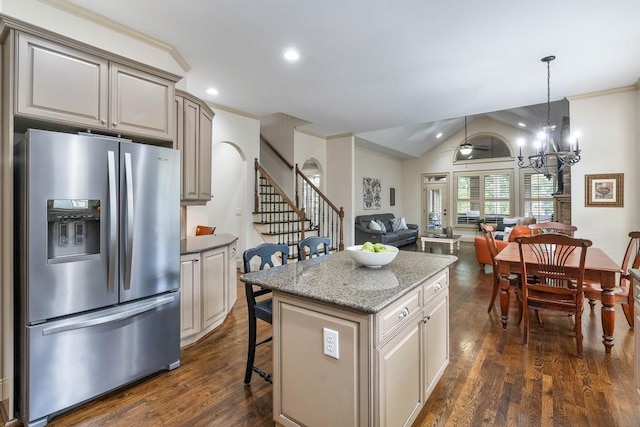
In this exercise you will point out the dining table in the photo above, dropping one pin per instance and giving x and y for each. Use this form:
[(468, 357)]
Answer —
[(599, 267)]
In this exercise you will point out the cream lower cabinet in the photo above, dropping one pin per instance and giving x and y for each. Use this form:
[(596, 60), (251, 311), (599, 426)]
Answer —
[(388, 366), (207, 291), (399, 373), (190, 317), (635, 285), (435, 338), (215, 286)]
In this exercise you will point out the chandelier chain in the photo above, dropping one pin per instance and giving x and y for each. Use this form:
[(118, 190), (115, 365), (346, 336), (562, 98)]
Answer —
[(548, 93)]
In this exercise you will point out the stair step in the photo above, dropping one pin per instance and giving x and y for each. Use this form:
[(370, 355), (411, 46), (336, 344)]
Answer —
[(293, 221)]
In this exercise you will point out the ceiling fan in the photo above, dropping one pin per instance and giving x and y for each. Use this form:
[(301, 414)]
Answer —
[(466, 148)]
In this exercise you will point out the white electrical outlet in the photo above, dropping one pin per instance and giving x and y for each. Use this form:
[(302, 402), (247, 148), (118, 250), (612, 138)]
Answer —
[(330, 343)]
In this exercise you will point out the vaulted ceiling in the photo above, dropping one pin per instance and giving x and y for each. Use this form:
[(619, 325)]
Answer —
[(406, 68)]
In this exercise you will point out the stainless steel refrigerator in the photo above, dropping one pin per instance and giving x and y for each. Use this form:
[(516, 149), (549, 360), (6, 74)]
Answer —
[(98, 267)]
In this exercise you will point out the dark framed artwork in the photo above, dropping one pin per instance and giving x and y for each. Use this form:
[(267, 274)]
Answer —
[(392, 196), (371, 188), (604, 190)]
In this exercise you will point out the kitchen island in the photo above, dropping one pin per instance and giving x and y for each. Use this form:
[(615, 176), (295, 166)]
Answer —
[(356, 346)]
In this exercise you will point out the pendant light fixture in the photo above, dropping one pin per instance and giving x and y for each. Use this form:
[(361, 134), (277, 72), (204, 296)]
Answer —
[(546, 147)]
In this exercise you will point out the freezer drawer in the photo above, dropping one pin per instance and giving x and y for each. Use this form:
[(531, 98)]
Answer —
[(78, 358)]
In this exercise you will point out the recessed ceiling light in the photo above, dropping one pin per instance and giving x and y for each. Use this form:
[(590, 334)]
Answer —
[(522, 125), (291, 55), (212, 91), (439, 135)]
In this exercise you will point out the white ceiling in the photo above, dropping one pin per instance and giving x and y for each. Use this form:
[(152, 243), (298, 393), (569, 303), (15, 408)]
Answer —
[(400, 66)]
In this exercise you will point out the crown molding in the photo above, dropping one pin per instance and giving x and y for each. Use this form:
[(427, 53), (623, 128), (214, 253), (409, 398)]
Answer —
[(343, 135), (231, 110), (622, 89), (310, 133), (88, 15)]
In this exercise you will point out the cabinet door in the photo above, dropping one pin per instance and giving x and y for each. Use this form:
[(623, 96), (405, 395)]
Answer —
[(141, 103), (233, 279), (214, 278), (637, 344), (190, 296), (436, 340), (60, 84), (399, 373), (178, 141), (204, 172), (190, 163)]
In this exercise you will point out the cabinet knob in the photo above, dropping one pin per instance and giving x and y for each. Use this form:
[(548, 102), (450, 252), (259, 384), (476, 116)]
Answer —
[(115, 124), (103, 121), (438, 286), (404, 313)]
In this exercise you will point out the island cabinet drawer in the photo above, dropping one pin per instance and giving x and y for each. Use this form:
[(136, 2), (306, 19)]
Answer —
[(393, 317), (435, 286)]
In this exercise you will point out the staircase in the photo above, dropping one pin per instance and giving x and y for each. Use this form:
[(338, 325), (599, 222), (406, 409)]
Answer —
[(280, 220)]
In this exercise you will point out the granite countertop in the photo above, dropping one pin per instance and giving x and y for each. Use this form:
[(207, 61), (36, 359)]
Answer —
[(338, 280), (195, 244), (635, 272)]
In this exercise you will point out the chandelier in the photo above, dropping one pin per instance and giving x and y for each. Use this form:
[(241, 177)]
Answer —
[(550, 158)]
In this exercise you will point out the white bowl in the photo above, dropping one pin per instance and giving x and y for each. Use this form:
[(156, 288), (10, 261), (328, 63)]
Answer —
[(372, 259)]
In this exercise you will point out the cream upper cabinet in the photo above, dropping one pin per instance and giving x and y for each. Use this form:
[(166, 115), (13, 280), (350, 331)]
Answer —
[(61, 84), (194, 143), (141, 103), (204, 160), (66, 85)]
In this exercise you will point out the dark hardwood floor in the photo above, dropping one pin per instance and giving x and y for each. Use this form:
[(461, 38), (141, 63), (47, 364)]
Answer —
[(492, 378)]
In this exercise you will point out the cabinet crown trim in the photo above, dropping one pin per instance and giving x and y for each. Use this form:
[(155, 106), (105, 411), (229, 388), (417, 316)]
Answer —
[(8, 23)]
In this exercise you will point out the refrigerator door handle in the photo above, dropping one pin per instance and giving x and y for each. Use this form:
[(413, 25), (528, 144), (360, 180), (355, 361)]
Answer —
[(110, 318), (129, 221), (113, 218)]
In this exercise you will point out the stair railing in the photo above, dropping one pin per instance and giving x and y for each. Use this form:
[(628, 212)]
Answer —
[(276, 209), (325, 217), (276, 152)]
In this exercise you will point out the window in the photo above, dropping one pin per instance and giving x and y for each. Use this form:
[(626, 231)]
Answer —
[(483, 194), (537, 195), (486, 147)]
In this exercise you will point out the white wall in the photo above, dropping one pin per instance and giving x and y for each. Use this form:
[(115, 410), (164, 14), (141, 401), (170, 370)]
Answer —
[(236, 143), (388, 170), (70, 25), (440, 160), (311, 147), (340, 189), (608, 124)]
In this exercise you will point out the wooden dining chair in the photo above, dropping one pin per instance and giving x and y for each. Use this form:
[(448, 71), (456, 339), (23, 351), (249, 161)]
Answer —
[(487, 233), (623, 293), (259, 308), (313, 246), (203, 230), (552, 227), (557, 286)]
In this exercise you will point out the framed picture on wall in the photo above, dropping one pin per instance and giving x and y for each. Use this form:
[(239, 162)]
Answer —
[(371, 188), (604, 190), (392, 196)]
